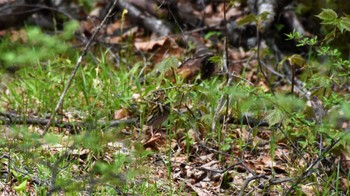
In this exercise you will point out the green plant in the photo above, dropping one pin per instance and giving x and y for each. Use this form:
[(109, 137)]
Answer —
[(35, 46)]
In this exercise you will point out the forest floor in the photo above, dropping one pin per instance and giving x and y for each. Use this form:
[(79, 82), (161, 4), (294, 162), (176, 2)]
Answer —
[(246, 109)]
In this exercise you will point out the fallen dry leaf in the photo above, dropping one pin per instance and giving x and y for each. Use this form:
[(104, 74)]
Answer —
[(155, 141), (150, 45), (199, 191)]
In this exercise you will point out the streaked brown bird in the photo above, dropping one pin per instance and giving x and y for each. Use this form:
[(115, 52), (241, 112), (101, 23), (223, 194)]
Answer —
[(157, 110)]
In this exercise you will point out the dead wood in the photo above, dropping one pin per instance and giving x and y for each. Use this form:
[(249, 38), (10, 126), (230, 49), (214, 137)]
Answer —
[(147, 20), (8, 118)]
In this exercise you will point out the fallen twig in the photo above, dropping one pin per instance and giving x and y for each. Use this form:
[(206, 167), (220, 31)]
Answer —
[(10, 118)]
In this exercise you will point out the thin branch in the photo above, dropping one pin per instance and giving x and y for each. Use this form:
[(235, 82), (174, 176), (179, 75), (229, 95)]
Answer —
[(87, 46), (249, 180), (10, 118)]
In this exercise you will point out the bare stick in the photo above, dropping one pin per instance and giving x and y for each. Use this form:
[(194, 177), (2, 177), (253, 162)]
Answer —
[(230, 77), (77, 65), (248, 180), (73, 127)]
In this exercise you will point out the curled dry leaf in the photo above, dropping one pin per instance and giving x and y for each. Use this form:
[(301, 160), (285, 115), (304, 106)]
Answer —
[(155, 141), (150, 45), (192, 67), (199, 191)]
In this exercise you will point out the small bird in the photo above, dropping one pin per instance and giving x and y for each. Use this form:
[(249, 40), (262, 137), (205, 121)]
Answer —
[(158, 111)]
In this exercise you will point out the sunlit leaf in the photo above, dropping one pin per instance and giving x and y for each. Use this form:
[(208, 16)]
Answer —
[(328, 16), (247, 19), (296, 59), (344, 24), (263, 16), (21, 187)]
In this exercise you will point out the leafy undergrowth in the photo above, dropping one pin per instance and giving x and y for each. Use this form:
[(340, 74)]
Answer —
[(262, 140)]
